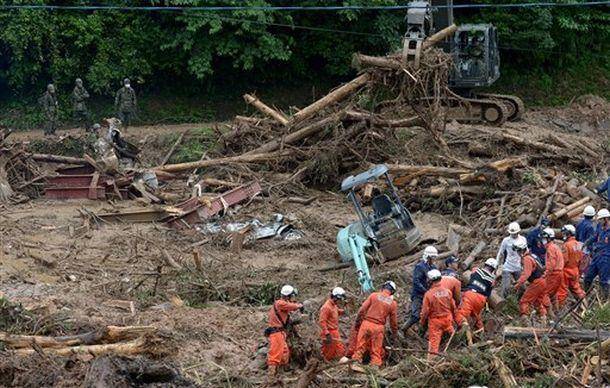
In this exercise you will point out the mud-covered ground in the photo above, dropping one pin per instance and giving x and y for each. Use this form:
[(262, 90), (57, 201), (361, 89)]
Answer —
[(61, 266)]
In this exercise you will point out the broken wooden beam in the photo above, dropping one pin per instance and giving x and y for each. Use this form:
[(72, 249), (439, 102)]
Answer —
[(265, 109), (331, 98), (516, 332)]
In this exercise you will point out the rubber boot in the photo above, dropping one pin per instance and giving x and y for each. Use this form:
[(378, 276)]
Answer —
[(271, 376), (466, 328)]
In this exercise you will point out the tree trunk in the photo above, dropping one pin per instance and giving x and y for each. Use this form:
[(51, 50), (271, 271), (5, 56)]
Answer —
[(331, 98), (171, 150), (130, 348), (107, 334), (266, 110), (222, 161), (515, 332), (439, 36), (58, 159), (473, 254), (292, 138), (562, 212)]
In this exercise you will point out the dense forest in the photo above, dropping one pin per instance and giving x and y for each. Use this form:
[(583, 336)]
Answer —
[(559, 48)]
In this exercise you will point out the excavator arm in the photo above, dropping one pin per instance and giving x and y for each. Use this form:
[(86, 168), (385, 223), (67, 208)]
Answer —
[(357, 246)]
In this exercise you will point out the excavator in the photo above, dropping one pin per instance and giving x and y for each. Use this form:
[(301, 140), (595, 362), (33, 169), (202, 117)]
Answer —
[(384, 232), (476, 63)]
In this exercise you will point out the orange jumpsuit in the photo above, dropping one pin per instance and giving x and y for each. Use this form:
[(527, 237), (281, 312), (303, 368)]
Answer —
[(352, 341), (553, 274), (373, 314), (329, 324), (572, 255), (439, 309), (454, 285), (279, 314), (475, 297), (535, 293)]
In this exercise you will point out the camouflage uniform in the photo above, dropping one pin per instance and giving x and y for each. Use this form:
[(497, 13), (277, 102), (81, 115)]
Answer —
[(79, 106), (48, 101), (126, 103)]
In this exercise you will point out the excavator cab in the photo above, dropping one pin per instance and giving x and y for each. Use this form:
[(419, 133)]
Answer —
[(476, 58), (385, 231)]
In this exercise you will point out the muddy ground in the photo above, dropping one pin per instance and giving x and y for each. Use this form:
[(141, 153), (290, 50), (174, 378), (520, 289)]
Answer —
[(68, 271)]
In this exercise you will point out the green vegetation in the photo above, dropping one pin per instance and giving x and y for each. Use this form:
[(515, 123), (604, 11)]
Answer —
[(193, 146), (597, 316), (549, 55)]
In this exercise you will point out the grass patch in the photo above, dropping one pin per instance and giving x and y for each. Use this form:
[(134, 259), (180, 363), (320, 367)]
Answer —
[(193, 146), (598, 315)]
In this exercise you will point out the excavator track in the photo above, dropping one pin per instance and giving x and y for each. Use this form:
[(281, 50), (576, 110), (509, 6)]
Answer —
[(475, 110), (515, 104)]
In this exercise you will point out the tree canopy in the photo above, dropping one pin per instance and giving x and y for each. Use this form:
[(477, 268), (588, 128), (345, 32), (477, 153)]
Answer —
[(187, 49)]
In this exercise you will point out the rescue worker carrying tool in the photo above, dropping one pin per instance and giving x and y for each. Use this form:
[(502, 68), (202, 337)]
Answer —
[(535, 293), (451, 267), (420, 284), (438, 311), (572, 255), (553, 274), (600, 265), (534, 240), (279, 320), (372, 316), (511, 262), (332, 345), (585, 231), (475, 296)]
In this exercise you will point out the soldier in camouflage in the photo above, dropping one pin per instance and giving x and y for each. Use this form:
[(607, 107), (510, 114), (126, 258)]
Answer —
[(48, 101), (79, 106), (126, 103)]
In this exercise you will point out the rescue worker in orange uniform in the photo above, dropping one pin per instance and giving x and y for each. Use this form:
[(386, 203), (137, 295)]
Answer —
[(572, 255), (332, 345), (279, 320), (454, 285), (553, 274), (438, 310), (535, 293), (475, 297), (372, 316)]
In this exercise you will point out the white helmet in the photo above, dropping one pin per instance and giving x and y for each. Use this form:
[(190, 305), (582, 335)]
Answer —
[(519, 245), (514, 228), (434, 274), (288, 290), (589, 211), (569, 229), (493, 263), (389, 285), (430, 251), (338, 293), (603, 213), (548, 233)]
